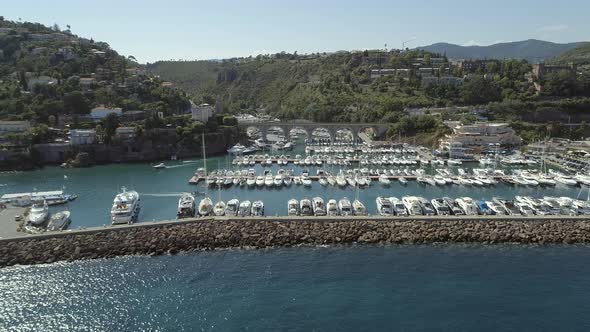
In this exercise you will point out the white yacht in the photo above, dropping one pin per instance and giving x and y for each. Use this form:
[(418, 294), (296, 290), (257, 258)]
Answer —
[(59, 221), (496, 208), (332, 207), (260, 181), (278, 180), (251, 181), (125, 209), (305, 207), (412, 205), (384, 180), (205, 207), (468, 206), (306, 181), (244, 209), (331, 180), (186, 206), (384, 206), (345, 207), (398, 206), (341, 180), (441, 207), (293, 207), (39, 213), (402, 180), (323, 181), (427, 207), (319, 208), (358, 208), (268, 180), (231, 208), (219, 208), (257, 209)]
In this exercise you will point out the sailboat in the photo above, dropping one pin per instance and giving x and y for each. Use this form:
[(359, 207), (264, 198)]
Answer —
[(206, 205)]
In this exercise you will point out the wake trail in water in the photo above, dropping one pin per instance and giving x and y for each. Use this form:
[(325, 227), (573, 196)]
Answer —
[(176, 166), (162, 194)]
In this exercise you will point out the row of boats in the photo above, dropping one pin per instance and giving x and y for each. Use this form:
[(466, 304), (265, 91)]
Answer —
[(519, 206), (316, 207), (187, 207)]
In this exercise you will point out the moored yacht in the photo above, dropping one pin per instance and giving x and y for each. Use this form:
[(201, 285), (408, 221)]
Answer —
[(186, 206), (244, 209), (441, 206), (205, 207), (231, 208), (38, 213), (293, 207), (398, 207), (468, 205), (59, 221), (345, 207), (305, 207), (125, 209), (358, 208), (412, 205), (257, 209), (384, 206), (319, 208), (219, 208), (332, 207)]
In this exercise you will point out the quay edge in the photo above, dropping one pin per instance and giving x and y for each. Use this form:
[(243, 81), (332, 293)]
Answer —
[(171, 237)]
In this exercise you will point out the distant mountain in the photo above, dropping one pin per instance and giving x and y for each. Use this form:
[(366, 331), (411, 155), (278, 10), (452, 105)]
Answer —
[(579, 55), (532, 50)]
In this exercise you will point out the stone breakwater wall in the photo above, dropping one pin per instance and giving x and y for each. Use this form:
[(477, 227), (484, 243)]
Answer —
[(174, 237)]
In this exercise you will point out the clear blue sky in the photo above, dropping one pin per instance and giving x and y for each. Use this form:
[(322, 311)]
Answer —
[(182, 29)]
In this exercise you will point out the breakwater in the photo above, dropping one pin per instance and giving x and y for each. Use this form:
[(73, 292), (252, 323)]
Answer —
[(160, 238)]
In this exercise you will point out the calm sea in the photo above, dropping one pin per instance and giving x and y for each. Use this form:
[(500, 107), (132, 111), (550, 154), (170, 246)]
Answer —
[(358, 288)]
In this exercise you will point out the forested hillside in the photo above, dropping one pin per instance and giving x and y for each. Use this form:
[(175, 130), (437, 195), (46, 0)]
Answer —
[(46, 73)]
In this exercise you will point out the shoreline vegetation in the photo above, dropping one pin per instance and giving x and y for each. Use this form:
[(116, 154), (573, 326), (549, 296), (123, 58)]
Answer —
[(161, 238)]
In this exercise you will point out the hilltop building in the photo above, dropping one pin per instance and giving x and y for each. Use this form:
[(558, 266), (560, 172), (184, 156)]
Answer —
[(480, 136)]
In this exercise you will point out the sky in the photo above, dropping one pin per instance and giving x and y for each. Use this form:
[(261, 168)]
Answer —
[(182, 29)]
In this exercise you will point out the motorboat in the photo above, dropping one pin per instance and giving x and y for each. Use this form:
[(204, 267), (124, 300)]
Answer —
[(323, 181), (402, 180), (412, 204), (441, 207), (297, 180), (384, 180), (483, 208), (398, 206), (332, 208), (341, 180), (508, 205), (257, 209), (159, 166), (358, 208), (293, 207), (319, 208), (232, 207), (244, 209), (345, 207), (524, 209), (384, 206), (305, 207), (306, 180), (427, 207), (251, 181), (269, 181), (219, 208), (205, 207), (211, 181), (186, 206), (126, 207), (426, 180), (59, 221), (39, 213), (260, 181), (456, 210), (439, 180), (496, 208), (468, 205), (278, 180), (331, 180)]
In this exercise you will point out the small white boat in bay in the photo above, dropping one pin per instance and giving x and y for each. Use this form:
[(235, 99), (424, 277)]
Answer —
[(205, 207), (219, 208)]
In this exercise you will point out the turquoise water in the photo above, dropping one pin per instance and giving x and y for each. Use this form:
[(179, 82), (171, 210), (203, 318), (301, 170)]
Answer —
[(159, 189), (398, 288)]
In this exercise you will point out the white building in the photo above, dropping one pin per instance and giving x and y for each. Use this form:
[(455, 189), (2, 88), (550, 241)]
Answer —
[(202, 112), (481, 136), (13, 126), (82, 136), (101, 112)]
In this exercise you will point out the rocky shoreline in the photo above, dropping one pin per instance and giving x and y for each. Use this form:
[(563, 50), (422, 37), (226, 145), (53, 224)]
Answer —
[(172, 238)]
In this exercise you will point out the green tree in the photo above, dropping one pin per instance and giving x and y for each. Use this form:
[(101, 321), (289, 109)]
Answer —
[(110, 124)]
